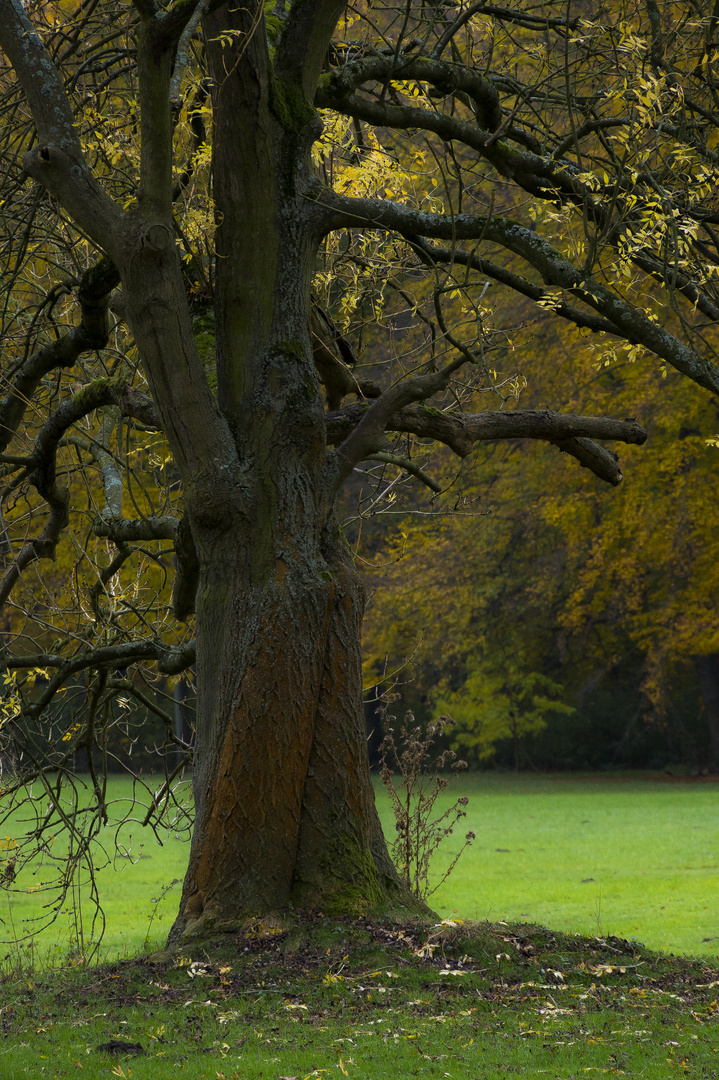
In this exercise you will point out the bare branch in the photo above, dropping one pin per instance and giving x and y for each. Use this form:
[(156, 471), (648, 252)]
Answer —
[(128, 530), (554, 267), (408, 466), (93, 295), (107, 573), (462, 431), (455, 26)]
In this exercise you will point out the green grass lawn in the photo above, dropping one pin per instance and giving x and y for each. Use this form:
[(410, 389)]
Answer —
[(628, 854), (632, 855), (329, 999)]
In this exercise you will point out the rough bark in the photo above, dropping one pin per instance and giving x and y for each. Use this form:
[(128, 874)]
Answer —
[(342, 858), (284, 805)]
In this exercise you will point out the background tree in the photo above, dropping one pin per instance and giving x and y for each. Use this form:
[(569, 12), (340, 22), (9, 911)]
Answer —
[(590, 611), (261, 435)]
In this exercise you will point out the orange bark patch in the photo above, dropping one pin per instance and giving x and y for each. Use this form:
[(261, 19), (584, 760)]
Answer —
[(250, 833)]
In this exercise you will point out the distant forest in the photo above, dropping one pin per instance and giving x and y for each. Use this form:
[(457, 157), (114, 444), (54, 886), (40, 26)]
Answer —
[(562, 624)]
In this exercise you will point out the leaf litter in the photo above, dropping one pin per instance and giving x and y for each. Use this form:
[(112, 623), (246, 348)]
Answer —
[(346, 991)]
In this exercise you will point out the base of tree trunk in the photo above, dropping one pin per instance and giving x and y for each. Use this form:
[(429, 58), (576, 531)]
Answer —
[(351, 904), (295, 929)]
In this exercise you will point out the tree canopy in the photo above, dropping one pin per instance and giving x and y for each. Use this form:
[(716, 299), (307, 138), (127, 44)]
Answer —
[(247, 254)]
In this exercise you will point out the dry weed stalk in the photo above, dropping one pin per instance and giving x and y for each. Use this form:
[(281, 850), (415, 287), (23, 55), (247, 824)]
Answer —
[(419, 834)]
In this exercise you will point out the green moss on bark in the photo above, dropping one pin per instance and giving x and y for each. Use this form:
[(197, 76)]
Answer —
[(358, 891), (293, 350), (290, 106), (95, 393), (356, 894)]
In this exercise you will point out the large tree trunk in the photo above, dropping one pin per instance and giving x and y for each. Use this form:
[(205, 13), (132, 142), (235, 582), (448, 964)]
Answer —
[(284, 807), (285, 811), (284, 804)]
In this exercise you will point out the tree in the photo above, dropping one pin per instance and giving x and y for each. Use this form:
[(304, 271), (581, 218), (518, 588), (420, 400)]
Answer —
[(611, 598), (262, 438)]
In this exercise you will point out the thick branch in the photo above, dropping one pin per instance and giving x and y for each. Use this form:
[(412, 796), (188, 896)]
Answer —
[(552, 264), (602, 462), (39, 78), (111, 476), (187, 577), (344, 212), (304, 42), (173, 22), (461, 431), (445, 78), (366, 438), (544, 177), (125, 530), (171, 660), (57, 162), (154, 70), (431, 254), (336, 377), (133, 530), (101, 392), (182, 54)]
